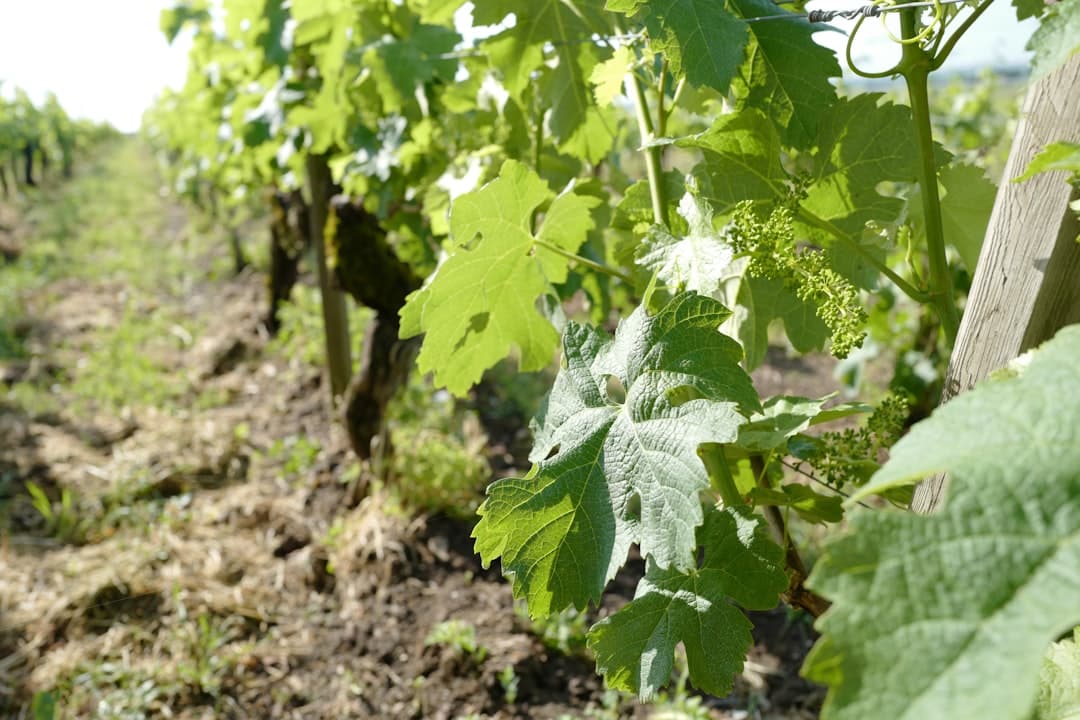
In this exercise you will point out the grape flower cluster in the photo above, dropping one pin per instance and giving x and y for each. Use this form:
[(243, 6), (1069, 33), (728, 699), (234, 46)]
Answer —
[(843, 457), (774, 254)]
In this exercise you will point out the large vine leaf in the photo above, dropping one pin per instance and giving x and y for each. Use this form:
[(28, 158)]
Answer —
[(949, 616), (482, 300), (786, 74), (764, 300), (611, 473), (861, 143), (564, 26), (400, 66), (699, 38), (965, 209), (775, 67), (741, 154), (635, 647)]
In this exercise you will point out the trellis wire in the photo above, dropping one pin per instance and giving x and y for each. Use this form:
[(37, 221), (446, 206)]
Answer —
[(823, 16)]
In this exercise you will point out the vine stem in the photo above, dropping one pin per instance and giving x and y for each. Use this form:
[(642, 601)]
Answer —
[(915, 66), (653, 165), (797, 594), (599, 267), (716, 465), (906, 287)]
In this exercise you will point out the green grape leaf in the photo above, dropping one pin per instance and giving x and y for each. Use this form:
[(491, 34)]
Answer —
[(699, 38), (741, 154), (1055, 156), (612, 471), (1057, 39), (1028, 8), (519, 50), (966, 203), (482, 300), (775, 67), (608, 76), (786, 74), (173, 19), (861, 143), (781, 417), (811, 506), (927, 609), (1059, 681), (635, 647), (696, 261), (762, 300), (399, 66), (634, 212)]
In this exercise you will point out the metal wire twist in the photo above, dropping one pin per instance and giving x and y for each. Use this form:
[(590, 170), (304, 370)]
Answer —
[(820, 16)]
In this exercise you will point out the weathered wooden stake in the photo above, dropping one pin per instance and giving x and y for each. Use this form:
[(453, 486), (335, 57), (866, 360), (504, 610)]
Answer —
[(1027, 283)]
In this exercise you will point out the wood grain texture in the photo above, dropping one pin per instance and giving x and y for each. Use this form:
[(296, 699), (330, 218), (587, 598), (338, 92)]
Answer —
[(1027, 282)]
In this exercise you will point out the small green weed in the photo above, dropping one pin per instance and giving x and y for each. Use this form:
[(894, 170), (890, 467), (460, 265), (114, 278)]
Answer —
[(460, 636), (63, 519), (509, 681), (563, 631), (297, 455), (438, 472), (204, 664), (301, 336), (33, 399), (125, 367), (438, 463)]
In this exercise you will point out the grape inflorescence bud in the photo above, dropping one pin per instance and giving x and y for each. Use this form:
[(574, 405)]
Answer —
[(773, 253)]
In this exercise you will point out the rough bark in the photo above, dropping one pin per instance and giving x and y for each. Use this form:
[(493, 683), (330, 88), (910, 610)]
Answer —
[(290, 236), (368, 269)]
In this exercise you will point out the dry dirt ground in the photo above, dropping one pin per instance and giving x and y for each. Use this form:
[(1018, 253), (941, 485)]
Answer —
[(201, 574)]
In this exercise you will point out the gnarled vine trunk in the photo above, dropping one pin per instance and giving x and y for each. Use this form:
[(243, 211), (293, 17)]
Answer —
[(290, 236), (368, 269)]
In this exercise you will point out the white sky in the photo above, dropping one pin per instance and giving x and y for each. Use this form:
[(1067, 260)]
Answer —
[(106, 59)]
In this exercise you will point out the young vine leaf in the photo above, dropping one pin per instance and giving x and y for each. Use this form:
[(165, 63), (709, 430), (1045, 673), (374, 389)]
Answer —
[(927, 609), (700, 38), (1059, 681), (861, 143), (967, 197), (519, 51), (698, 261), (635, 647), (765, 300), (741, 160), (965, 209), (611, 471), (1057, 39), (482, 299), (772, 66)]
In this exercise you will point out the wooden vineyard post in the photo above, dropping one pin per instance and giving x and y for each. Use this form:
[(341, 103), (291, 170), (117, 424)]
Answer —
[(334, 305), (1027, 283)]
